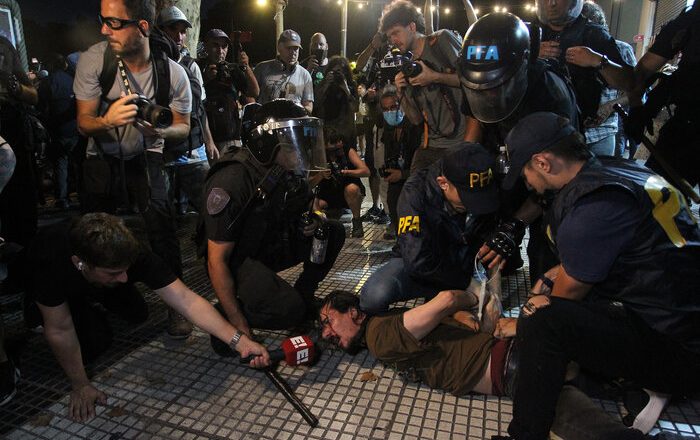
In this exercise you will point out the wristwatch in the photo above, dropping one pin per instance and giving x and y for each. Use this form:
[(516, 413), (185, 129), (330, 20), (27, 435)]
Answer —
[(604, 61), (235, 340)]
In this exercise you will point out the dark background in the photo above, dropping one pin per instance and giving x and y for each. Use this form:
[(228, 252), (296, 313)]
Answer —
[(68, 25)]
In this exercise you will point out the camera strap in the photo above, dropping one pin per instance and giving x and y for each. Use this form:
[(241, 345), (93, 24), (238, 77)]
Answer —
[(124, 76)]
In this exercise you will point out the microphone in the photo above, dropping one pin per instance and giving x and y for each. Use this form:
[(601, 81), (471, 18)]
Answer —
[(295, 351)]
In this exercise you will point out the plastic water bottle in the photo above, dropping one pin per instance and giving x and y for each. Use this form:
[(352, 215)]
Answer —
[(503, 162), (319, 245)]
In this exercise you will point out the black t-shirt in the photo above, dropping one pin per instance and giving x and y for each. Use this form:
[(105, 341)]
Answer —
[(53, 280), (596, 231)]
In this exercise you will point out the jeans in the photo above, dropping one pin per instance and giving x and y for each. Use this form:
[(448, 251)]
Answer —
[(147, 186), (392, 283), (603, 147), (603, 339), (61, 151)]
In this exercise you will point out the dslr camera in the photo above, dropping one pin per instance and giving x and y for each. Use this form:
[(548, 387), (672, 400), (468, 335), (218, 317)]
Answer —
[(336, 171), (389, 164), (156, 115), (225, 71), (409, 67)]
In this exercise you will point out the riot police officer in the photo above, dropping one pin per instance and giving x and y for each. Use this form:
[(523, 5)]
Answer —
[(256, 199), (504, 81)]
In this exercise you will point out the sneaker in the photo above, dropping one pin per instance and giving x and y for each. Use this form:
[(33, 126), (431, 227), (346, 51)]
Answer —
[(9, 377), (357, 229), (382, 218), (178, 326), (370, 214)]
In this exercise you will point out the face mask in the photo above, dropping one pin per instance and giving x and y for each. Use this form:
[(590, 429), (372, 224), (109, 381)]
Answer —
[(393, 117)]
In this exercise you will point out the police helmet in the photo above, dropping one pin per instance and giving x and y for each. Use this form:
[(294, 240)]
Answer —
[(549, 14), (280, 131), (171, 15), (493, 65)]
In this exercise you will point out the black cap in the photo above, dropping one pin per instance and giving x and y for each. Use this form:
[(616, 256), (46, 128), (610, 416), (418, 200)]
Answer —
[(533, 134), (470, 168), (289, 38), (217, 33)]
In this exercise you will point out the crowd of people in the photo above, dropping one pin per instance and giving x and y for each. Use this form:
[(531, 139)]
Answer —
[(468, 142)]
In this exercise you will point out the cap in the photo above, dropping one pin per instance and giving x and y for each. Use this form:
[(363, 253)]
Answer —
[(289, 38), (170, 15), (217, 33), (470, 168), (533, 134)]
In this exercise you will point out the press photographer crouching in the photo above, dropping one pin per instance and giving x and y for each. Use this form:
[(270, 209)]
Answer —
[(341, 186), (258, 221)]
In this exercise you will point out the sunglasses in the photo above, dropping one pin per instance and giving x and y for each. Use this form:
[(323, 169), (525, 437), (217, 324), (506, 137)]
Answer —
[(115, 23)]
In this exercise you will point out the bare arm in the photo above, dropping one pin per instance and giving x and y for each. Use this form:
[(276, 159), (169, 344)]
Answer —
[(28, 94), (201, 313), (59, 332), (372, 48), (308, 105), (472, 132), (361, 169), (423, 319), (566, 286), (120, 113), (617, 76), (218, 255), (649, 64), (252, 86), (179, 129), (210, 146)]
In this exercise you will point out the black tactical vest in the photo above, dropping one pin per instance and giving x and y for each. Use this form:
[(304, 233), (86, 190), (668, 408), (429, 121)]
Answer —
[(657, 277)]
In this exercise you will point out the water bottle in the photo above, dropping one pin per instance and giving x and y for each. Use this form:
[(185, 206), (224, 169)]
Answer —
[(319, 245), (503, 162)]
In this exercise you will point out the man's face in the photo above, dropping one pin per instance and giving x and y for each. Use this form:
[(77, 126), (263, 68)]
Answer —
[(389, 103), (556, 10), (288, 54), (217, 49), (318, 42), (342, 329), (451, 194), (125, 41), (105, 277), (534, 180), (178, 32), (403, 37)]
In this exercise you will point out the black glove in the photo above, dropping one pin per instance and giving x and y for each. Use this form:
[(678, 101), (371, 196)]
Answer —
[(506, 239), (639, 119)]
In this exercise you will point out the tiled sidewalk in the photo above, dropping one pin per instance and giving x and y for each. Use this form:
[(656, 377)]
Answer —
[(161, 389)]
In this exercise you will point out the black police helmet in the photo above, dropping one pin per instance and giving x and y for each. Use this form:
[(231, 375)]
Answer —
[(261, 141), (571, 13), (493, 65)]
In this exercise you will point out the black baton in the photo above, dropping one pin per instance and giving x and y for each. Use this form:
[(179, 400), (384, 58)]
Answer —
[(287, 392)]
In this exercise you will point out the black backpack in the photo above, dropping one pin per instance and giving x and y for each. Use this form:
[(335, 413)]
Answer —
[(174, 149)]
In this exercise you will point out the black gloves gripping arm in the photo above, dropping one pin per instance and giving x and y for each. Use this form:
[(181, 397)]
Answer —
[(506, 239)]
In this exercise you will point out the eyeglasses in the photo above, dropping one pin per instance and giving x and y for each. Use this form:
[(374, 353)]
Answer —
[(115, 23)]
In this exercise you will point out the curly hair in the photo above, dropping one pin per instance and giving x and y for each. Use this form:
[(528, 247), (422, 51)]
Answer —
[(594, 13), (401, 12), (344, 64)]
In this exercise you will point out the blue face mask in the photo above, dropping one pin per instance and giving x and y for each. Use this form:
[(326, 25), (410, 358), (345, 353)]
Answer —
[(393, 117)]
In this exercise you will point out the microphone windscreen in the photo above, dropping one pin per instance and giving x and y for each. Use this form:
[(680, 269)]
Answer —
[(298, 350)]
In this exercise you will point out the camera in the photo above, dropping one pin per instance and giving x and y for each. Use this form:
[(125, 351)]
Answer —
[(411, 69), (157, 115), (389, 164), (225, 71), (336, 170)]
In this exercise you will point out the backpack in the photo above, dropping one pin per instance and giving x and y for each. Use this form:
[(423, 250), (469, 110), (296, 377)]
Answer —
[(175, 149)]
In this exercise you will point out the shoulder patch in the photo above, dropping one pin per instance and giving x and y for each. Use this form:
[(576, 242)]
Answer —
[(217, 200)]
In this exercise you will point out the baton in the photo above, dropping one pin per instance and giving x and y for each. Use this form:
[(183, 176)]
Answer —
[(287, 392), (675, 178)]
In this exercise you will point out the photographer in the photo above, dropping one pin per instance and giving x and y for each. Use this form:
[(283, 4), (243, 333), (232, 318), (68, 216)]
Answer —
[(428, 81), (337, 100), (18, 213), (226, 84), (401, 138), (342, 187), (127, 125), (317, 62)]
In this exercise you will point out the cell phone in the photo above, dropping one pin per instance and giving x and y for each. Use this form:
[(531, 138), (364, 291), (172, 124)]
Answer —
[(318, 53)]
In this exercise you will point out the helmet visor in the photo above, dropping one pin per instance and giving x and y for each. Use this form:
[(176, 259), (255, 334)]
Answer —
[(497, 103), (558, 13), (300, 144)]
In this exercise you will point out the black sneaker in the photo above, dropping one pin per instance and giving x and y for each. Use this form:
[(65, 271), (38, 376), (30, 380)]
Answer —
[(9, 377), (370, 214), (382, 218)]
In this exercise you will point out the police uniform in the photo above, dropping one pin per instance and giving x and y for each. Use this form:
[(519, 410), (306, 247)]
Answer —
[(267, 230), (681, 133), (628, 234), (437, 244)]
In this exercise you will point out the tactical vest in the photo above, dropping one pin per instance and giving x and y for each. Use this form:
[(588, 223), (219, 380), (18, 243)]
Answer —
[(657, 276), (267, 227)]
